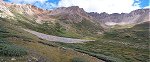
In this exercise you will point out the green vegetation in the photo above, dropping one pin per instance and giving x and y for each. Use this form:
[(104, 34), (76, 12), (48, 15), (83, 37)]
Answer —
[(6, 47), (77, 59), (137, 34), (121, 45), (1, 11), (116, 45), (80, 30), (21, 45), (12, 50), (87, 28), (111, 51), (49, 28)]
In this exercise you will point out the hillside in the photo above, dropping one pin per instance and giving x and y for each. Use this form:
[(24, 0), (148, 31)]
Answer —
[(119, 45), (18, 45), (60, 23)]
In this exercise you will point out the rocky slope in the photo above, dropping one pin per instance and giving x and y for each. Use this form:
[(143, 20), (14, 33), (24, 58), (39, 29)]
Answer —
[(72, 19), (17, 45), (69, 18), (75, 14), (134, 17)]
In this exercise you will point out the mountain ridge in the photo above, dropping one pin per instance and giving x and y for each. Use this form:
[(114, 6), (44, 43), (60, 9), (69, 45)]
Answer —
[(123, 18), (76, 14)]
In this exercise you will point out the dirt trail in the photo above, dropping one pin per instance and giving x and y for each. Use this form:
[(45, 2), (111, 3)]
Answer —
[(56, 38)]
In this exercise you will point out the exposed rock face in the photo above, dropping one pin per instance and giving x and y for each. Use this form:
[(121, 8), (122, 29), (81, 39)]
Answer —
[(27, 10), (136, 16), (5, 11), (74, 14), (69, 10)]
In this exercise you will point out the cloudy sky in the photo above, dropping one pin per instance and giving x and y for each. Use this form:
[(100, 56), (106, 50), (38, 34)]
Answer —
[(109, 6)]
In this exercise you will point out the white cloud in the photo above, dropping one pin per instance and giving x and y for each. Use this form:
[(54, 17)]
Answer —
[(109, 6)]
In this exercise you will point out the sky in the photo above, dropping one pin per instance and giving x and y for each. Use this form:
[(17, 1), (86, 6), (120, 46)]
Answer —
[(109, 6)]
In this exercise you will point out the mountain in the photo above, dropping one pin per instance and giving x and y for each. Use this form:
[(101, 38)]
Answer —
[(134, 17), (72, 20), (74, 14), (18, 45)]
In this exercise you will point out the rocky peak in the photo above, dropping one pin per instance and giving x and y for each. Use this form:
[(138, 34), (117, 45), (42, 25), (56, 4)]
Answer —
[(139, 11), (136, 16), (75, 9), (73, 13), (99, 16), (70, 10)]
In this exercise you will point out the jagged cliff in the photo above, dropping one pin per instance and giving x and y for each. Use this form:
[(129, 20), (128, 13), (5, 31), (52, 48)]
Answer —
[(134, 17)]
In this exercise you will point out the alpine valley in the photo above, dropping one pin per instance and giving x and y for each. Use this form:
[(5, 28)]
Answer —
[(70, 34)]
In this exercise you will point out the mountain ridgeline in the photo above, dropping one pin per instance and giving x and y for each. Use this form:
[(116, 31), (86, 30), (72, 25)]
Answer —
[(134, 17), (67, 16), (114, 37), (72, 20)]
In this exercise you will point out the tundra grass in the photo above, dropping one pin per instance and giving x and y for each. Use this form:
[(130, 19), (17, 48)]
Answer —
[(20, 41)]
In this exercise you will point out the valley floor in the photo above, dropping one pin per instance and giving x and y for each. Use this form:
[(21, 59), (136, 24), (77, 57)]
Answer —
[(56, 38)]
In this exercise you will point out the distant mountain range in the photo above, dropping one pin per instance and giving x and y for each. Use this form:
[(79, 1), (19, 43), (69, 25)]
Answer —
[(75, 14), (73, 18), (136, 16)]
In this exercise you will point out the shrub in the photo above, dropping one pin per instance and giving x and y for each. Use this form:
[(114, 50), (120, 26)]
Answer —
[(1, 11), (76, 59), (11, 50)]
